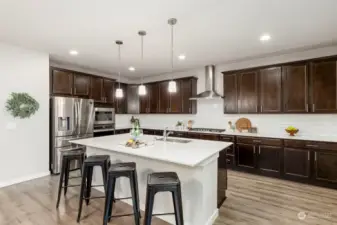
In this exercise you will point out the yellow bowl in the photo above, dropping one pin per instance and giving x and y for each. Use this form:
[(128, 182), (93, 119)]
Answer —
[(291, 132)]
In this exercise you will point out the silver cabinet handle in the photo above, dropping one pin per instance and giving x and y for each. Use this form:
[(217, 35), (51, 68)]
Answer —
[(254, 150), (308, 156), (257, 141), (261, 108), (307, 107), (315, 156), (259, 150), (313, 107)]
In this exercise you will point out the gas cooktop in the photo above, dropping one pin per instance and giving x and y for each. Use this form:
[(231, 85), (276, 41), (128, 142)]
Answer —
[(208, 130)]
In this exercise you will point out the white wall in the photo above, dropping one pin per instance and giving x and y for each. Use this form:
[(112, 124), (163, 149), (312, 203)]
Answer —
[(210, 113), (24, 142)]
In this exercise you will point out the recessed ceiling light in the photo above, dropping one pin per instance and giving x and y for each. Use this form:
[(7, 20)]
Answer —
[(182, 57), (265, 37), (131, 68), (73, 52)]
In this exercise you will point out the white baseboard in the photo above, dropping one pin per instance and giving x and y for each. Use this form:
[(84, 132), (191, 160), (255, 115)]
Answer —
[(23, 179)]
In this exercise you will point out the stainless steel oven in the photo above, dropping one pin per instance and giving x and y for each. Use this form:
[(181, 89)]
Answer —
[(104, 119)]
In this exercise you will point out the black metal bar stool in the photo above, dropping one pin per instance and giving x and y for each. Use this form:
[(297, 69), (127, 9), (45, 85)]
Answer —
[(88, 167), (67, 158), (163, 182), (117, 170)]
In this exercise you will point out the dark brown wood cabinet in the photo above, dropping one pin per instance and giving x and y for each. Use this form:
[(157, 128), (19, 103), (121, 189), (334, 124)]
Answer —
[(246, 155), (81, 85), (326, 166), (144, 102), (176, 103), (164, 97), (295, 88), (296, 163), (231, 93), (154, 97), (269, 159), (210, 137), (97, 89), (324, 86), (188, 88), (121, 103), (62, 82), (270, 90), (108, 91), (248, 92)]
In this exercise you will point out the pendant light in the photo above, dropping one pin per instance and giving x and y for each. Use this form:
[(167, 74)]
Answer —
[(172, 87), (119, 91), (141, 87)]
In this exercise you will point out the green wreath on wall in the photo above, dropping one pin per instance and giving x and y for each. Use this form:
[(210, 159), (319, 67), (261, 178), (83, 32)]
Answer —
[(21, 105)]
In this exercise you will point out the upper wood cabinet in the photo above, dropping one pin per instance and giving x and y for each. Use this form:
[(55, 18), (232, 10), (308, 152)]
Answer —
[(61, 82), (164, 96), (144, 102), (97, 89), (153, 92), (188, 88), (121, 103), (81, 85), (270, 90), (324, 88), (230, 85), (108, 91), (295, 88), (248, 92), (176, 103)]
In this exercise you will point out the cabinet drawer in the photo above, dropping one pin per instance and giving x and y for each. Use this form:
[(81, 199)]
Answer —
[(226, 138), (260, 141), (193, 135), (211, 137), (178, 134), (310, 144)]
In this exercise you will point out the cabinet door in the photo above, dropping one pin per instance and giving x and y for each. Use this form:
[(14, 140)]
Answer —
[(270, 90), (176, 100), (269, 159), (188, 89), (211, 137), (109, 93), (231, 93), (97, 89), (326, 166), (153, 91), (296, 163), (62, 82), (164, 97), (246, 156), (295, 88), (247, 92), (81, 84), (121, 103), (324, 87), (144, 102)]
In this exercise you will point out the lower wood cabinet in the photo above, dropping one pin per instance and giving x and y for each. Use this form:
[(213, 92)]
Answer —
[(269, 159), (296, 163), (326, 166), (246, 156)]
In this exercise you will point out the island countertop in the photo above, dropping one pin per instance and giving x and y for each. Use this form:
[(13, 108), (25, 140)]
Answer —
[(189, 154)]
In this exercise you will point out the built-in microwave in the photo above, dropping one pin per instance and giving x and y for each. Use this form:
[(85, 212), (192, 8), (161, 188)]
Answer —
[(104, 119)]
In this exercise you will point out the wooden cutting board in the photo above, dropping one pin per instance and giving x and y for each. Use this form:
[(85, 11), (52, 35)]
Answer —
[(243, 124)]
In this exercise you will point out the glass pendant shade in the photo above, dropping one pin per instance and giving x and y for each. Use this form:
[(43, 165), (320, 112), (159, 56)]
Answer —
[(172, 87), (141, 89), (119, 93)]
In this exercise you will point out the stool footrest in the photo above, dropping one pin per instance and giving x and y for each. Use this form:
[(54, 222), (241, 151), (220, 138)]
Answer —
[(74, 169), (163, 214), (122, 215), (75, 177), (94, 197), (100, 185), (122, 198), (72, 185)]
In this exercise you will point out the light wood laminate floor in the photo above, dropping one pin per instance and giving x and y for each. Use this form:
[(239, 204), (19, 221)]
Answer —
[(252, 200)]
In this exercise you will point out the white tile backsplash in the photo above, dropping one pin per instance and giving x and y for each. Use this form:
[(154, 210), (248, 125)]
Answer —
[(210, 115)]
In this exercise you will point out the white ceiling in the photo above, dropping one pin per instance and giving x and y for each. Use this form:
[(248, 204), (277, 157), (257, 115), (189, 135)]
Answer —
[(208, 31)]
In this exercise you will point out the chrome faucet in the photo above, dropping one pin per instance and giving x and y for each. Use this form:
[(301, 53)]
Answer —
[(166, 134)]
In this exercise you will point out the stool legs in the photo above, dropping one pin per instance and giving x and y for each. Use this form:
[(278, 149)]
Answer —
[(60, 183), (83, 187), (135, 200), (66, 176), (89, 184), (178, 209), (112, 197), (109, 200), (149, 206), (137, 192)]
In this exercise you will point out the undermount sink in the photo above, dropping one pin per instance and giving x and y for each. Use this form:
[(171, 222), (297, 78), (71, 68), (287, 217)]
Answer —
[(174, 140)]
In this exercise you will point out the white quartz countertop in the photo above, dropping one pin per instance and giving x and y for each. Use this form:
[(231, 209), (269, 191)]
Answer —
[(187, 154), (299, 136)]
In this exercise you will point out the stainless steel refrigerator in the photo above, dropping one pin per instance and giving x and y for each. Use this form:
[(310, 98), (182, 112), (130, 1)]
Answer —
[(71, 118)]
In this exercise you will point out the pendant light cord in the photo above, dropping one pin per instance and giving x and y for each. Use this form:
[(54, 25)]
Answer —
[(119, 66), (142, 54), (172, 52)]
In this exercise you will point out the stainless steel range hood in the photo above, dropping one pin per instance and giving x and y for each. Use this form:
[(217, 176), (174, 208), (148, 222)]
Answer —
[(209, 92)]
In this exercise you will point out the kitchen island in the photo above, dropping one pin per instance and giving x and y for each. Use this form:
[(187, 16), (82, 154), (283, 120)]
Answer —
[(195, 162)]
